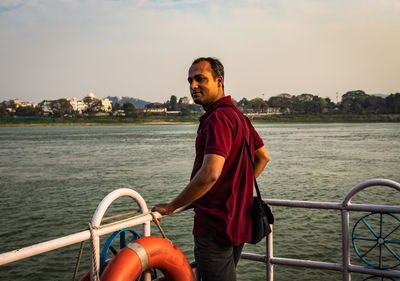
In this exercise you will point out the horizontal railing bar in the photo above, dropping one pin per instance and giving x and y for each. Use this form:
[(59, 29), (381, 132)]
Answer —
[(254, 257), (43, 247), (373, 271), (304, 204), (307, 263), (332, 206), (61, 242), (334, 266), (374, 208)]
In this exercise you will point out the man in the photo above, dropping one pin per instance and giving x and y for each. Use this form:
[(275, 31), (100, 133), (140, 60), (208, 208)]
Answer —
[(221, 185)]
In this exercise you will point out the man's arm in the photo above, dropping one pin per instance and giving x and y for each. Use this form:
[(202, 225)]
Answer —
[(199, 185), (261, 159)]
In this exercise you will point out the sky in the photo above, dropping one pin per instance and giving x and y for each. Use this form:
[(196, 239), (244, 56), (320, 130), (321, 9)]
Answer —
[(51, 49)]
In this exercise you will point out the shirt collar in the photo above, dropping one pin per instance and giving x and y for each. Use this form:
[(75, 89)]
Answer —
[(224, 100)]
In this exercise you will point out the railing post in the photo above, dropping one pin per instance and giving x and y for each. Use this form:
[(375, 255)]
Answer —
[(99, 213), (270, 253), (345, 245)]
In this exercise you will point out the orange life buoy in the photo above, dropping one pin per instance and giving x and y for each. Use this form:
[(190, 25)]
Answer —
[(145, 253), (86, 277)]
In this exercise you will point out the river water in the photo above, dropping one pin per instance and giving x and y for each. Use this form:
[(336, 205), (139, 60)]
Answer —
[(52, 179)]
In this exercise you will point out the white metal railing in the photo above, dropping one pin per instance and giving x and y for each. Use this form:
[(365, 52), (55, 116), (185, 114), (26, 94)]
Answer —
[(145, 218)]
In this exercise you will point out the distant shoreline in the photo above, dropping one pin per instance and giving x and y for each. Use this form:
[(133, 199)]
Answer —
[(64, 124), (193, 120)]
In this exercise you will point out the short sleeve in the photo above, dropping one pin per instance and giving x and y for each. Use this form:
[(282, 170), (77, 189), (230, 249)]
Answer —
[(258, 142)]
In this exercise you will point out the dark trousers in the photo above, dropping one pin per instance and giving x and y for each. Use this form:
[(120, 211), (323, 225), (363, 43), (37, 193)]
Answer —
[(216, 261)]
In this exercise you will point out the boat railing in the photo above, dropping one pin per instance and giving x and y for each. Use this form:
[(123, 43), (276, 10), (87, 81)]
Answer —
[(344, 207), (96, 230)]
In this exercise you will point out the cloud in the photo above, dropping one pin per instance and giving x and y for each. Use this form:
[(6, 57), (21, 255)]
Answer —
[(9, 5)]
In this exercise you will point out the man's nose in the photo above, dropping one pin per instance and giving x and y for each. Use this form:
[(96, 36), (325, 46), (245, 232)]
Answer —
[(194, 85)]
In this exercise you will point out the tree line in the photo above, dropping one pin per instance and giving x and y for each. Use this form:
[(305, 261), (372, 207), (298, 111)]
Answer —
[(352, 102)]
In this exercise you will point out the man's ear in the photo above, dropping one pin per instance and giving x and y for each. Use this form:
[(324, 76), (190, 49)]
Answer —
[(220, 80)]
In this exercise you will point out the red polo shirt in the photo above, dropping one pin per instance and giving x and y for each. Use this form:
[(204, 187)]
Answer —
[(226, 208)]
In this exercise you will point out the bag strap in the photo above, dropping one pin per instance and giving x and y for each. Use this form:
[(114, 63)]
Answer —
[(252, 166), (204, 117)]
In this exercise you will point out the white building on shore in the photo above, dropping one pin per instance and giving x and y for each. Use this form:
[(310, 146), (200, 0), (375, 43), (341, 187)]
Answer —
[(77, 105), (88, 103), (105, 105)]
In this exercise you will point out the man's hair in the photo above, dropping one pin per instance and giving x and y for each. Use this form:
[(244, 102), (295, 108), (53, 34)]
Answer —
[(217, 69)]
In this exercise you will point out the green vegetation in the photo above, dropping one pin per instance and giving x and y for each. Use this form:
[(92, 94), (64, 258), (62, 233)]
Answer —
[(191, 119), (355, 106), (353, 102), (327, 118), (96, 120)]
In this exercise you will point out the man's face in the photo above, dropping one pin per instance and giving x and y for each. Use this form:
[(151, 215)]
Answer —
[(204, 89)]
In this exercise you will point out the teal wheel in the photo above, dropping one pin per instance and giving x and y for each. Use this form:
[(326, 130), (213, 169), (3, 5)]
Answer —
[(376, 240), (108, 246)]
